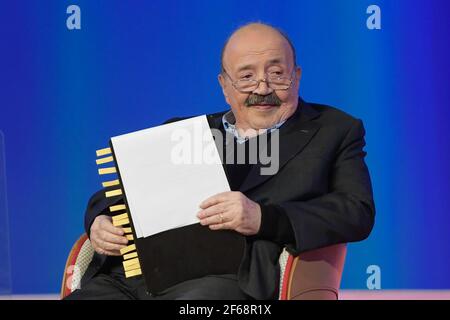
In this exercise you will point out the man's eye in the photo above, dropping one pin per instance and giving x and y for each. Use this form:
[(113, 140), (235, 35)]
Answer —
[(246, 77), (276, 73)]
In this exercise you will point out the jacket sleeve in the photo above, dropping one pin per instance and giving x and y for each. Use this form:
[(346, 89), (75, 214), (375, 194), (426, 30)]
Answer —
[(346, 213), (275, 226)]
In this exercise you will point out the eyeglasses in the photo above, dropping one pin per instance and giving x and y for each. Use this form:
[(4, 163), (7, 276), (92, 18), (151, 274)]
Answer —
[(275, 82)]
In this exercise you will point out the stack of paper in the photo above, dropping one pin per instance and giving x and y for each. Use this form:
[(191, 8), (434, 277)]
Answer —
[(166, 172)]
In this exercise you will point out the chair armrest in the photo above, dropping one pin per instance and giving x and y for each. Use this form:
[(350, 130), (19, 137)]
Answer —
[(313, 275), (77, 262)]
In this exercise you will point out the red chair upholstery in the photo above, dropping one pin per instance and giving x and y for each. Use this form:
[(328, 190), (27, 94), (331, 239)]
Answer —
[(313, 275)]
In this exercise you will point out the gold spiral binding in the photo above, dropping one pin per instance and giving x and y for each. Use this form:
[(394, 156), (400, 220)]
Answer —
[(131, 262)]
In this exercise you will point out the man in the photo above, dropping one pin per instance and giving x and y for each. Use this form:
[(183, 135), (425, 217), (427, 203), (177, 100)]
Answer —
[(319, 196)]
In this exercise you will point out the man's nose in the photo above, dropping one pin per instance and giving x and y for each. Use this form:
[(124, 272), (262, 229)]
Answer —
[(263, 89)]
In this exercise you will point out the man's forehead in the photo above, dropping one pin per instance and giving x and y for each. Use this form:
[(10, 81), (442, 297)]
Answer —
[(241, 55), (255, 58)]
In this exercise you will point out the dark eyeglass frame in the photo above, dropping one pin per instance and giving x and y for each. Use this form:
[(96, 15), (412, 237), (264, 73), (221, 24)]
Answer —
[(257, 82)]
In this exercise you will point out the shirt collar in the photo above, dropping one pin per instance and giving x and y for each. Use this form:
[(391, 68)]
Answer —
[(229, 121)]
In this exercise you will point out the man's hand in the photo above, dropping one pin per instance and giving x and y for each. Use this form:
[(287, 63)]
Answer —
[(231, 210), (105, 238)]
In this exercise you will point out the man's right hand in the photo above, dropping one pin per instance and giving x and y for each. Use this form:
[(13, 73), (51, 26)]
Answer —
[(106, 238)]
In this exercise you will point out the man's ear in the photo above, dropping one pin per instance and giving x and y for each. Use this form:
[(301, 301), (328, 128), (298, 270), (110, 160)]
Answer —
[(223, 84), (298, 75)]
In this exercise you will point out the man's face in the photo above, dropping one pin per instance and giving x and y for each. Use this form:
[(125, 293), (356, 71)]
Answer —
[(259, 52)]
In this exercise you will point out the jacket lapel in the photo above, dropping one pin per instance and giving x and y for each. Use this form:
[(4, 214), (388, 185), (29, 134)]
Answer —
[(294, 135)]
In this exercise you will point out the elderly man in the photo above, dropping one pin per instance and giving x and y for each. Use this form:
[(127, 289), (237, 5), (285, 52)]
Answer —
[(320, 194)]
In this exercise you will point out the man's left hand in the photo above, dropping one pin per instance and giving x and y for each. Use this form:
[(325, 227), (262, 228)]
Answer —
[(231, 210)]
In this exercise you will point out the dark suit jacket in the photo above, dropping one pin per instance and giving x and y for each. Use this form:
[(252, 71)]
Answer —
[(323, 185)]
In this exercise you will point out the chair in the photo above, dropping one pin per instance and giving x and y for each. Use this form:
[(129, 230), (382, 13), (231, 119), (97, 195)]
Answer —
[(313, 275)]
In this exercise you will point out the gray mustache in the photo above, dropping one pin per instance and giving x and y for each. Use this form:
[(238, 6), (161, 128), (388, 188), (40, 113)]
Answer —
[(256, 99)]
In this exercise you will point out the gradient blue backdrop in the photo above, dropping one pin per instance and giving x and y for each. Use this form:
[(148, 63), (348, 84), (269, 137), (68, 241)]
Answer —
[(136, 63)]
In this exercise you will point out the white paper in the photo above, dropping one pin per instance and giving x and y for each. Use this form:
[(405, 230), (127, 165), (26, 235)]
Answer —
[(164, 186)]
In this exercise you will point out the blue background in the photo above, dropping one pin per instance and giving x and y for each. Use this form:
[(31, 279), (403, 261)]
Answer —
[(135, 64)]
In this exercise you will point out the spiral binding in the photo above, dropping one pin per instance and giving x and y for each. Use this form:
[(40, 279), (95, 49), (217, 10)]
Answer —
[(121, 219)]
